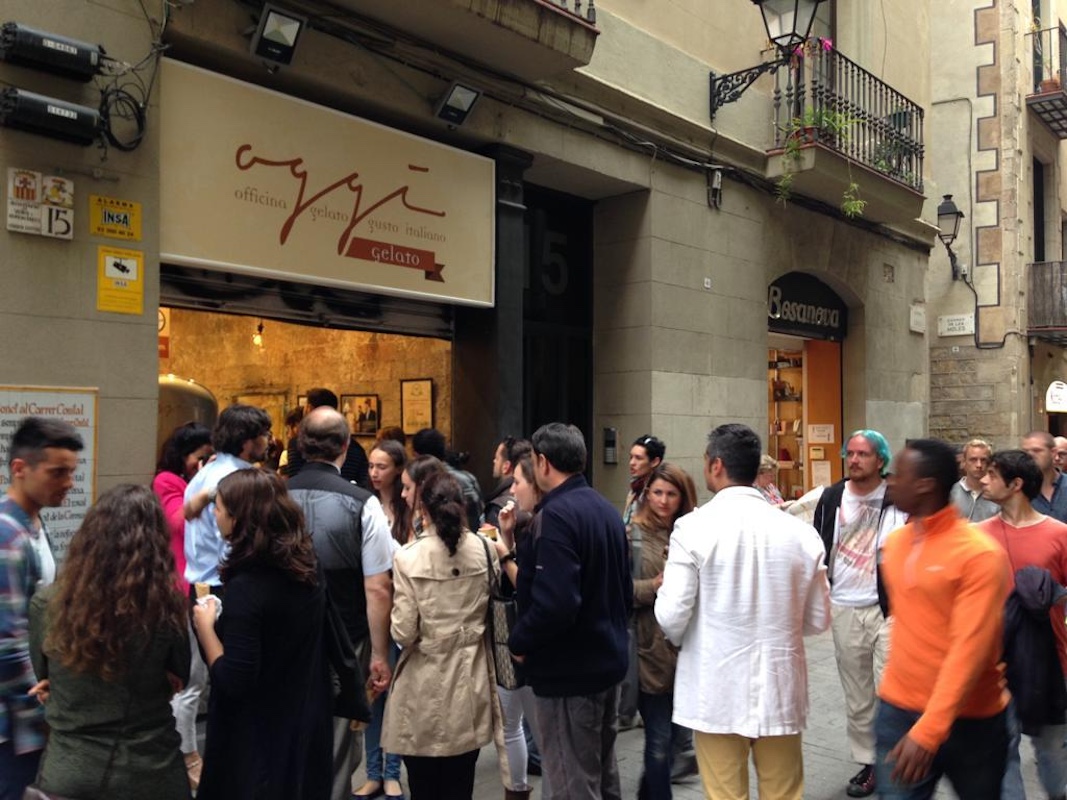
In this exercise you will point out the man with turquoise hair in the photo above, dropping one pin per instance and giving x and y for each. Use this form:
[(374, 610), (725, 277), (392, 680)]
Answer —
[(853, 518)]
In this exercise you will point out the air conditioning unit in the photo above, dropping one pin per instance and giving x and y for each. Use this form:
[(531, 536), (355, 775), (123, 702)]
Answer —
[(48, 116)]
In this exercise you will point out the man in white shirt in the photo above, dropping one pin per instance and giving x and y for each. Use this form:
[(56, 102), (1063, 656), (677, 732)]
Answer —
[(743, 585), (967, 494), (853, 518)]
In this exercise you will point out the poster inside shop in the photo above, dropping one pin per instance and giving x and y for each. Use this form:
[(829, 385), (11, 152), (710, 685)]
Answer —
[(79, 408)]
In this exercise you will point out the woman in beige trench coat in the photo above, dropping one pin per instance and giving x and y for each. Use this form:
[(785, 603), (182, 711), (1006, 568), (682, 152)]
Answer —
[(442, 706)]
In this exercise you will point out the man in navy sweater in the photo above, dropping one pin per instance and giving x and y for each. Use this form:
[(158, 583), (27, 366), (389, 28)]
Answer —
[(574, 601)]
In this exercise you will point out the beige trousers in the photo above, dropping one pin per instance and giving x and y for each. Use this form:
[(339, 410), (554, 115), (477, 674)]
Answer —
[(723, 762), (861, 645)]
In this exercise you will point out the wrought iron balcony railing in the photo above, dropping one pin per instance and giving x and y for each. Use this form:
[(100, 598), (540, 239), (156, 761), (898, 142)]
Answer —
[(825, 97), (1050, 58), (1047, 98)]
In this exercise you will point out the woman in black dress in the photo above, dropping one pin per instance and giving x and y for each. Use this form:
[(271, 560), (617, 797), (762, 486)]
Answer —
[(269, 733)]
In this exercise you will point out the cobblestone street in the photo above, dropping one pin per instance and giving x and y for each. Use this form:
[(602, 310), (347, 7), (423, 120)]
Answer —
[(826, 764)]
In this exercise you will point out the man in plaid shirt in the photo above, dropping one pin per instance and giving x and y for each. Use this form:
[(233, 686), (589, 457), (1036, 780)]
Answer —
[(42, 458)]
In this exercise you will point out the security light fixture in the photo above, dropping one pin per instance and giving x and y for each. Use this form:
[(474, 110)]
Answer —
[(49, 52), (275, 38), (257, 337), (47, 116), (788, 24), (456, 105), (948, 221)]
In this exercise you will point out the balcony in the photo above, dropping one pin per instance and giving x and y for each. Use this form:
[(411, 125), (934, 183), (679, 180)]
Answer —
[(852, 129), (530, 39), (1047, 98), (1047, 303)]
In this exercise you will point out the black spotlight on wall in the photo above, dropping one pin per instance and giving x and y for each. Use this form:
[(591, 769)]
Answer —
[(456, 105), (47, 116), (275, 38), (49, 52)]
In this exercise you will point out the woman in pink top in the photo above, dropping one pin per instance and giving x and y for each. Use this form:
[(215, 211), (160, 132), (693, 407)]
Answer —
[(184, 452), (182, 455)]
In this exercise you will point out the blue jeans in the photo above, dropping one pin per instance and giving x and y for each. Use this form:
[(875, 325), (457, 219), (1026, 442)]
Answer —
[(1051, 751), (16, 772), (656, 711), (973, 757), (373, 738)]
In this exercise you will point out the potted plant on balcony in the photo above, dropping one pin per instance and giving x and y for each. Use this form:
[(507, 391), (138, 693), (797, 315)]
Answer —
[(817, 125)]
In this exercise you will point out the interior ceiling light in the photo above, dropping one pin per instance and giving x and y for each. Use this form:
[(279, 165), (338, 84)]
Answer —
[(456, 105), (276, 37)]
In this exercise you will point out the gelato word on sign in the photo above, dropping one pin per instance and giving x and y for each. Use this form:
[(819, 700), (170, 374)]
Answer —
[(76, 406), (955, 325), (1056, 398), (114, 218), (120, 280), (318, 196), (42, 205)]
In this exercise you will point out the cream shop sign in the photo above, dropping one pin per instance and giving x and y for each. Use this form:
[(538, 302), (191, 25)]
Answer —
[(260, 183), (801, 305)]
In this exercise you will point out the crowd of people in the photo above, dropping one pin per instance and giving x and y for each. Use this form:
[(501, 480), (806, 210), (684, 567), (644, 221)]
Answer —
[(940, 571)]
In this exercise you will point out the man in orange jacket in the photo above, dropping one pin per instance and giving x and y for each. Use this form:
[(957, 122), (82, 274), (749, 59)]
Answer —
[(942, 692)]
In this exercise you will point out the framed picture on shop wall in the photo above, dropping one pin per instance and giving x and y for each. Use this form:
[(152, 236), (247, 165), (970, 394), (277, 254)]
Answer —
[(416, 404), (363, 412)]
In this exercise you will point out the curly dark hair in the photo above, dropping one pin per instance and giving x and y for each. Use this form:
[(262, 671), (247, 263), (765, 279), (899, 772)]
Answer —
[(117, 588), (183, 440), (268, 527), (441, 498)]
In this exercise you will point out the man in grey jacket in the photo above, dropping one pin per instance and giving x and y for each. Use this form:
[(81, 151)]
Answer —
[(352, 542)]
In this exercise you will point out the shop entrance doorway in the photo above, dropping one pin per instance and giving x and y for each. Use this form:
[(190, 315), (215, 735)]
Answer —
[(807, 321), (271, 363)]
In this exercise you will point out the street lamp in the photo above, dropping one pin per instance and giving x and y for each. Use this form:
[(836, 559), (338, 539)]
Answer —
[(948, 221), (788, 24)]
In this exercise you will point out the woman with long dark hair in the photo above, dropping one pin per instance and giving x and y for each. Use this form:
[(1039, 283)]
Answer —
[(414, 475), (180, 458), (269, 730), (110, 639), (441, 708), (669, 494), (514, 547), (387, 459)]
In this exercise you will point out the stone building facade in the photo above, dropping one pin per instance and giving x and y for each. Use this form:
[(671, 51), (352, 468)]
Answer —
[(650, 313), (995, 146)]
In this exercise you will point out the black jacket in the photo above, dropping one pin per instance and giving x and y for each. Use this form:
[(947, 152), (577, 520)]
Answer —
[(575, 599), (825, 522), (1034, 674), (356, 468)]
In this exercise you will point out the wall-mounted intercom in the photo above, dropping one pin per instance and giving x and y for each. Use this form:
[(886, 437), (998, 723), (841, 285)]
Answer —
[(611, 448)]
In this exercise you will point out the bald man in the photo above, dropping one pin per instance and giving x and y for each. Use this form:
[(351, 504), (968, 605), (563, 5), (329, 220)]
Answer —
[(1059, 452), (1052, 499), (352, 542)]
